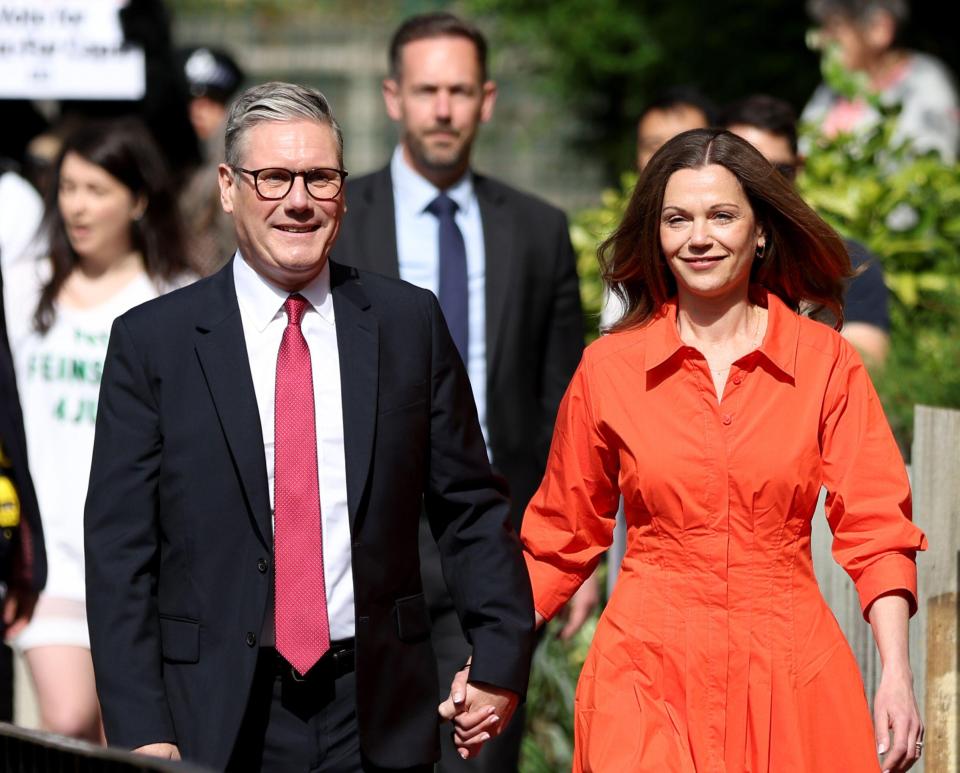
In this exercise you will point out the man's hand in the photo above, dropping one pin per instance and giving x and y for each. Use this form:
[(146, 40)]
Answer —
[(17, 610), (479, 711), (165, 751), (580, 607)]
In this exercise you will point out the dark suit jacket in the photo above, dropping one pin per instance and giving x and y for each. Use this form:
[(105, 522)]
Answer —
[(178, 527), (23, 562), (534, 321)]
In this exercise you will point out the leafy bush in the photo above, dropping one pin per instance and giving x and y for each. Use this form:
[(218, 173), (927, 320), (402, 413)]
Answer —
[(588, 229), (548, 740), (906, 210)]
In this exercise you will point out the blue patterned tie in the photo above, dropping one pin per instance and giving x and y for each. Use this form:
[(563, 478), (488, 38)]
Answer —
[(454, 299)]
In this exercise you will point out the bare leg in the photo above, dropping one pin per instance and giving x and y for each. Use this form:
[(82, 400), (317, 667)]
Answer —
[(63, 676)]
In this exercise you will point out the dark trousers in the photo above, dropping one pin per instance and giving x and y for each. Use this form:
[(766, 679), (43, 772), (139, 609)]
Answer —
[(307, 726), (500, 755)]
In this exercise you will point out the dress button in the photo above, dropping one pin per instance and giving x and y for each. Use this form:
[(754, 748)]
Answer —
[(738, 379), (727, 418), (251, 639), (262, 565)]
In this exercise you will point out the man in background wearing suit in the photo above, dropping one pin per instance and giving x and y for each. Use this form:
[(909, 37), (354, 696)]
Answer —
[(502, 266), (266, 441)]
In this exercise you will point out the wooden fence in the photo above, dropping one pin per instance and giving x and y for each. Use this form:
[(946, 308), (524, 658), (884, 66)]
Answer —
[(933, 632)]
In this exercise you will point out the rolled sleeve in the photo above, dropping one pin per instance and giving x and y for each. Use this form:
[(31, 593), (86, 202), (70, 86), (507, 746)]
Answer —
[(892, 573)]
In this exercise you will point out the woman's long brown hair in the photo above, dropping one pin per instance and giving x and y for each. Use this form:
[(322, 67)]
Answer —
[(805, 262)]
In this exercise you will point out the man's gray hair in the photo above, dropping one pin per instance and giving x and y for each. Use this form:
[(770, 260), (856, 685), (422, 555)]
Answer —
[(276, 101)]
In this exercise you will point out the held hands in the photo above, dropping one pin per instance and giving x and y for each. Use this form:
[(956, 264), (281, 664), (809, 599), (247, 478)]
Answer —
[(895, 709), (165, 751), (479, 712)]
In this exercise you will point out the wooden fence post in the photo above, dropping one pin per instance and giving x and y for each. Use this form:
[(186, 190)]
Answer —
[(936, 487)]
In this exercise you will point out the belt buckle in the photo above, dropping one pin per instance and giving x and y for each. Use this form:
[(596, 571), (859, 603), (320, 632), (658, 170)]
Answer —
[(295, 676)]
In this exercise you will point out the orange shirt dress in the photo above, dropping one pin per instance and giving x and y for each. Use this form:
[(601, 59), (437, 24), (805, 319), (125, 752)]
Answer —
[(716, 651)]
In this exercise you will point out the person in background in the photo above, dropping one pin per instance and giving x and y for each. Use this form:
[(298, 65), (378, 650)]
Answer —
[(214, 78), (502, 265), (23, 564), (718, 410), (867, 33), (673, 111), (21, 210), (114, 241), (770, 125)]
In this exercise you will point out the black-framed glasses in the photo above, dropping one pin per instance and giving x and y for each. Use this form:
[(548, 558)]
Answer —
[(275, 182)]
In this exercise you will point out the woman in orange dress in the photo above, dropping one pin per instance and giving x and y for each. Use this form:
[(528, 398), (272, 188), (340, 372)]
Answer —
[(718, 412)]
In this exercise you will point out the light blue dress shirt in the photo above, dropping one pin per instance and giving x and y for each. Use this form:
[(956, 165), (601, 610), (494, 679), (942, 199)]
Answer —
[(419, 256)]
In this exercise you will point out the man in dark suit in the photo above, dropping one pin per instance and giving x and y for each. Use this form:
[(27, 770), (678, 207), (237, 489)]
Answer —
[(266, 439), (502, 266), (23, 561)]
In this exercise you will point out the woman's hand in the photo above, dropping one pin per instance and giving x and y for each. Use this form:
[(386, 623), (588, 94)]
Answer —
[(896, 718), (479, 712)]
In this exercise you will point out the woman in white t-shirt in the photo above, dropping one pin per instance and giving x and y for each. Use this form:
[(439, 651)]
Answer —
[(114, 242)]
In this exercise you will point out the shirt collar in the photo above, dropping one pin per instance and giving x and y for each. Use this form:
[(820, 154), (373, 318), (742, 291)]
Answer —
[(413, 192), (782, 338), (779, 344), (261, 300)]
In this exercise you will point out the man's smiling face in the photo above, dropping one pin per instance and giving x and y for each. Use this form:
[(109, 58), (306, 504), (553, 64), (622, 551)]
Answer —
[(288, 240)]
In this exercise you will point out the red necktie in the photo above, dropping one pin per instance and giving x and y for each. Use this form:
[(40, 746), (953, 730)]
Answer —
[(300, 608)]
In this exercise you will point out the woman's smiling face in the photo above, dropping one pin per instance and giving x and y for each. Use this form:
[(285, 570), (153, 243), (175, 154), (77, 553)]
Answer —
[(709, 234)]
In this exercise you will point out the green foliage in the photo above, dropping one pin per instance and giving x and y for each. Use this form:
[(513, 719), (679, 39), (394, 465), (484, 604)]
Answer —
[(588, 229), (906, 210), (606, 59), (548, 739)]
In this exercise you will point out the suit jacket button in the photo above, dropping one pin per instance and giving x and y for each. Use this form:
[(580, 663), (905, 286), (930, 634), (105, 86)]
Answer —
[(251, 639), (262, 565)]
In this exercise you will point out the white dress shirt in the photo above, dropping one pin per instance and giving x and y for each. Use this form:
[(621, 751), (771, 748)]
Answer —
[(418, 251), (264, 320)]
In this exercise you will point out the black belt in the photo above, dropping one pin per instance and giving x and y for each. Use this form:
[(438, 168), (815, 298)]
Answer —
[(339, 660)]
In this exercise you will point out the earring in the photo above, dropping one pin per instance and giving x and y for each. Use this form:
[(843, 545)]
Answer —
[(761, 248)]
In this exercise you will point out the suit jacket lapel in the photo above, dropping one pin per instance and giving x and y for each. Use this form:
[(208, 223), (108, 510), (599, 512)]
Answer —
[(499, 265), (359, 345), (222, 351)]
